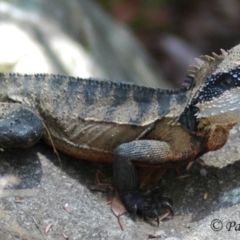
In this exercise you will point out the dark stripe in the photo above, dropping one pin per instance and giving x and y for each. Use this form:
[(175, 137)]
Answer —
[(163, 99), (143, 98), (2, 80), (120, 96), (26, 82), (105, 88), (188, 118), (181, 98), (73, 87), (39, 79), (89, 90)]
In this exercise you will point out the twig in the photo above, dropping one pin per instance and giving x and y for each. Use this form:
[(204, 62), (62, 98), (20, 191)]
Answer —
[(39, 228)]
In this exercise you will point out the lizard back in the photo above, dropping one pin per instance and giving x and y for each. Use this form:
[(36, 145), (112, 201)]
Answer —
[(86, 117)]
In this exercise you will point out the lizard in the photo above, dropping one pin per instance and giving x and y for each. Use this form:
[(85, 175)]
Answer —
[(123, 123)]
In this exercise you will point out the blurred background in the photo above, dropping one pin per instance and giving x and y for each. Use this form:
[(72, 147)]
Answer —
[(147, 42), (174, 32)]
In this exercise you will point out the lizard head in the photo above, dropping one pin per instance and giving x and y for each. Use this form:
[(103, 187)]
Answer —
[(216, 94)]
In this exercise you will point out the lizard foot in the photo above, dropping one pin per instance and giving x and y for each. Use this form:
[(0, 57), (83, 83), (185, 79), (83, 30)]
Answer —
[(150, 204)]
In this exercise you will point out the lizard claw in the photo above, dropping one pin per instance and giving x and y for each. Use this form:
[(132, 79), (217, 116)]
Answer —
[(150, 204)]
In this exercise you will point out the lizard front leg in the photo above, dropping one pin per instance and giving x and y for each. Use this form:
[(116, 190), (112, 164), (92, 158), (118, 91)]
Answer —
[(152, 152), (20, 127)]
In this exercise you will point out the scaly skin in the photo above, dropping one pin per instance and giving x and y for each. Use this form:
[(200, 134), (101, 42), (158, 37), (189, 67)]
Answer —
[(124, 123)]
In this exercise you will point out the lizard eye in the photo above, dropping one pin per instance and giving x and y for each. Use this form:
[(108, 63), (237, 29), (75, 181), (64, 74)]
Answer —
[(226, 81)]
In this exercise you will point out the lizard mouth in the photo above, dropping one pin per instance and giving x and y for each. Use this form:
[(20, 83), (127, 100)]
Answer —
[(228, 102), (225, 109)]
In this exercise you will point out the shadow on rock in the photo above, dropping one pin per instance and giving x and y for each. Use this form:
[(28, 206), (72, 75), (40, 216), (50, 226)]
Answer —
[(24, 164), (206, 190)]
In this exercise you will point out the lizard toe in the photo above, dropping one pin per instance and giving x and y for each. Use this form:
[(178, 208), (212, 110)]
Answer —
[(150, 204)]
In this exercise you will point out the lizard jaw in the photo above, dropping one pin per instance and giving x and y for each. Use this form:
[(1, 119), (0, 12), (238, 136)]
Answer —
[(225, 105)]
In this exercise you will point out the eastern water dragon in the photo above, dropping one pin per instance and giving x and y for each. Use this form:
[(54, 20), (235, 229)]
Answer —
[(124, 123)]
